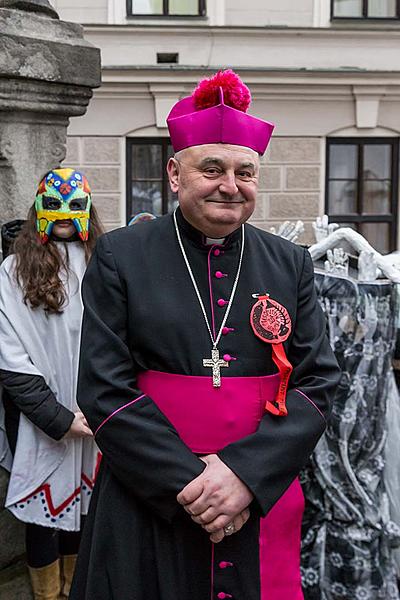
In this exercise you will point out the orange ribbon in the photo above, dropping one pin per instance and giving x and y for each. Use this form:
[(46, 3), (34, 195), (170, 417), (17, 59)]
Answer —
[(285, 369)]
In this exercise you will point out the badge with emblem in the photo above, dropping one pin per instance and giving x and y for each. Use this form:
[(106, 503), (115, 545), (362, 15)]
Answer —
[(270, 322)]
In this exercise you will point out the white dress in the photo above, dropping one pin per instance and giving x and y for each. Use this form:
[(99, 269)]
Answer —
[(50, 481)]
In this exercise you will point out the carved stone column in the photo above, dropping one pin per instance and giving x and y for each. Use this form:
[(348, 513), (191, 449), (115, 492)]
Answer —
[(47, 72)]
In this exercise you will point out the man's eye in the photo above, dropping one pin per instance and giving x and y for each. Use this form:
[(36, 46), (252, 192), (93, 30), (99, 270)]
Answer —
[(212, 171), (50, 203), (245, 175), (79, 204)]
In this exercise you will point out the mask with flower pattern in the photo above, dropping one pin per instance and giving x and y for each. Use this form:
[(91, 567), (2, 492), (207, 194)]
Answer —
[(63, 194)]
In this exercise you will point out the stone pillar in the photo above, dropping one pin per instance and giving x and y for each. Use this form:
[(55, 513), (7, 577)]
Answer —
[(47, 72)]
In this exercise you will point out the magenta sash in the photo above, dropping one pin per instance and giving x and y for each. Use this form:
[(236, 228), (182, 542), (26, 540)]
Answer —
[(207, 419)]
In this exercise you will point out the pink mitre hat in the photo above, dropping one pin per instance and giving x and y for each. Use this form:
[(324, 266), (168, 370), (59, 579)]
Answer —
[(216, 114)]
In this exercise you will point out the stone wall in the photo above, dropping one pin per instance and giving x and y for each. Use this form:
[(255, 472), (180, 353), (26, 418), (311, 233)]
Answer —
[(102, 160), (291, 186), (14, 579)]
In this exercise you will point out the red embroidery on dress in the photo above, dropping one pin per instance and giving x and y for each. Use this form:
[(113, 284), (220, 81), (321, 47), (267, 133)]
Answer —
[(46, 488)]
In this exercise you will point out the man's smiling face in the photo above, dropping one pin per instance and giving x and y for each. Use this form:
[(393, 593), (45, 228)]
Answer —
[(217, 186)]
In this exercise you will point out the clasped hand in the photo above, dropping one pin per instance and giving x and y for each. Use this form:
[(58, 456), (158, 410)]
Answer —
[(216, 498), (79, 427)]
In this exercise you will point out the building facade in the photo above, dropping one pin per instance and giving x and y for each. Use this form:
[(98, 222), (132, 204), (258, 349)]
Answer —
[(327, 72)]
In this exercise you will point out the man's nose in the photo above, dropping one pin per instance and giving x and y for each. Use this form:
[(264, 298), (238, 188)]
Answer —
[(228, 184)]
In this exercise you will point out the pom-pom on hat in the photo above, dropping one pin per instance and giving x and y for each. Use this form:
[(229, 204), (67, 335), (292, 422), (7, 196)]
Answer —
[(216, 114)]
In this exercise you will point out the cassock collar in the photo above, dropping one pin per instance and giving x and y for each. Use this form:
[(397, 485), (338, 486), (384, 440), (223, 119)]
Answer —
[(199, 239)]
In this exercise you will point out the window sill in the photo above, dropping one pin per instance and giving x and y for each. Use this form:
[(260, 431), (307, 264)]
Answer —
[(167, 17), (365, 20)]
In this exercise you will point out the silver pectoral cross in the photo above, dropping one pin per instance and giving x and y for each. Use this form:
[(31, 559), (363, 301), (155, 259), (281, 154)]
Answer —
[(215, 362)]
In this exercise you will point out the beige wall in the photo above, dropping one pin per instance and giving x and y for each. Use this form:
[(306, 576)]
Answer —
[(102, 159), (338, 52), (82, 11), (290, 179), (294, 13), (311, 77), (291, 185)]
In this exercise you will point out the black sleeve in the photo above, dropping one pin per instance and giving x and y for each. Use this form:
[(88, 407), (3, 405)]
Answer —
[(270, 459), (32, 396), (139, 444)]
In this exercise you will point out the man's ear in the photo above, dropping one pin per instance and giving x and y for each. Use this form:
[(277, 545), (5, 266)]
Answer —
[(173, 174)]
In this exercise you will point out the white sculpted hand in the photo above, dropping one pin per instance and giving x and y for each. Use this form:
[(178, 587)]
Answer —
[(322, 227), (289, 230), (216, 498)]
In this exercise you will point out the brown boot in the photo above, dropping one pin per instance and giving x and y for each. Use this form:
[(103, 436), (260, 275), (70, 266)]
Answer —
[(46, 581), (67, 573)]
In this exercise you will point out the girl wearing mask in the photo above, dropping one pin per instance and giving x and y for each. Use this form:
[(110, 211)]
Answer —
[(53, 457)]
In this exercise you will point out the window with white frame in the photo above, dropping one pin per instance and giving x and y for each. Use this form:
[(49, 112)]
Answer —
[(365, 9), (166, 8)]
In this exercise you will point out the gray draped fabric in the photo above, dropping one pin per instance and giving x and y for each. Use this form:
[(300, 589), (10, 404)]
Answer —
[(349, 537)]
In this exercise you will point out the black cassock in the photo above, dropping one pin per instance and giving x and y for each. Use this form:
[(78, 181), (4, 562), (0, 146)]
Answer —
[(141, 313)]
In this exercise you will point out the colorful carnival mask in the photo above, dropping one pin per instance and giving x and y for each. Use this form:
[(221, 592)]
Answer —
[(63, 194)]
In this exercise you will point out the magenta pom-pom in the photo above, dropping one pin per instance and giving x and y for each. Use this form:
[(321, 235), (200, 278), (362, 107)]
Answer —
[(236, 93)]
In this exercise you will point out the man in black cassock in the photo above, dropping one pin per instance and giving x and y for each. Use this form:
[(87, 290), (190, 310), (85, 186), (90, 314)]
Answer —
[(206, 375)]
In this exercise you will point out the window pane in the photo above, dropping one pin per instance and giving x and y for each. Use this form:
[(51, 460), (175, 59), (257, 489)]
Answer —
[(183, 7), (376, 197), (347, 8), (382, 8), (343, 161), (147, 161), (342, 197), (377, 161), (147, 7), (378, 235), (146, 197)]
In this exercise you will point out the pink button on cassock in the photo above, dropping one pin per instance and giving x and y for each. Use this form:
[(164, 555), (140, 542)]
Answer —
[(225, 563), (217, 252), (220, 275), (228, 357), (221, 302), (226, 330), (222, 595)]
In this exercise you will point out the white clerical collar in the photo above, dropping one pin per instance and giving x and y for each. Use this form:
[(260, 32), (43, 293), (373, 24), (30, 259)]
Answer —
[(214, 241)]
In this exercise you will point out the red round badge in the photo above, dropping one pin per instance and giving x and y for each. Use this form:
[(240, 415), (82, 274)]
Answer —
[(270, 321)]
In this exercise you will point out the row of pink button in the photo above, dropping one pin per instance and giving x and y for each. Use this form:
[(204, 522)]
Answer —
[(221, 302)]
